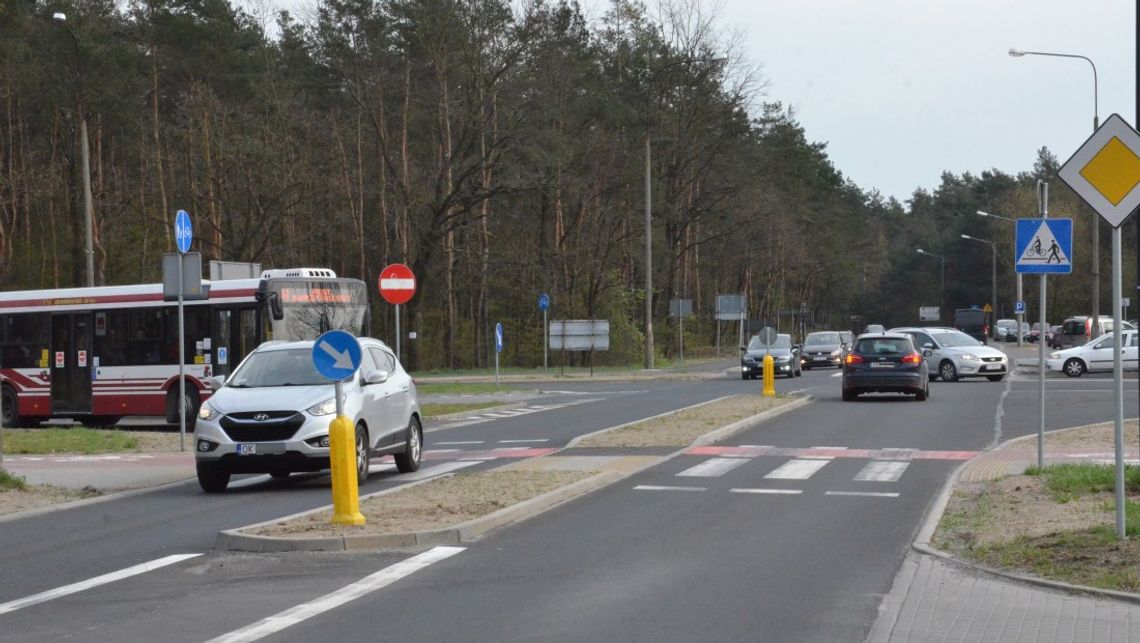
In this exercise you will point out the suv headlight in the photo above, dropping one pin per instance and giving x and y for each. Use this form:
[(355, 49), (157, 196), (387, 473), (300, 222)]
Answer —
[(207, 412), (328, 407), (836, 353)]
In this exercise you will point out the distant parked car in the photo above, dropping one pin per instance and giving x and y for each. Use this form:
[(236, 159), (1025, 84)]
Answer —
[(824, 348), (1077, 331), (972, 321), (785, 355), (874, 328), (272, 415), (1005, 330), (1096, 355), (885, 363)]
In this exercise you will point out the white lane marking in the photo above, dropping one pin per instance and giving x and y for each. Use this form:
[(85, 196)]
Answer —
[(799, 469), (461, 442), (520, 441), (882, 471), (841, 448), (653, 487), (362, 587), (58, 592), (786, 492), (713, 468), (839, 374), (441, 450), (869, 494), (433, 471)]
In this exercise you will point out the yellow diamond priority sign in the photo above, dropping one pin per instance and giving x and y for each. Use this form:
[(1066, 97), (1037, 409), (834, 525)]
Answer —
[(1105, 171)]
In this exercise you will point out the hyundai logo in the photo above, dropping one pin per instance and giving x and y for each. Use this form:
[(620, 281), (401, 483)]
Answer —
[(261, 417)]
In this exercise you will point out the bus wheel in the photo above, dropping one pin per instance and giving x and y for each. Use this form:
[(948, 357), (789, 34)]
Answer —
[(11, 417), (192, 404)]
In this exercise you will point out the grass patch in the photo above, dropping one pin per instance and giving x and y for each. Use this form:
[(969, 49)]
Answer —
[(69, 440), (1067, 482), (1092, 557), (436, 410), (10, 481), (461, 388), (683, 427)]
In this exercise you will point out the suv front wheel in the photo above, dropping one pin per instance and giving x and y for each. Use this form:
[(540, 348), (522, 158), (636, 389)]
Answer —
[(212, 478)]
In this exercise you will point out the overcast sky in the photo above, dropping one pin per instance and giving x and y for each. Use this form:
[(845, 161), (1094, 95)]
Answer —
[(902, 90)]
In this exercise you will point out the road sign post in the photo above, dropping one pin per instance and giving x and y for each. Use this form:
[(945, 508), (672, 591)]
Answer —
[(336, 356), (498, 348), (1105, 172), (544, 305), (397, 286), (183, 237)]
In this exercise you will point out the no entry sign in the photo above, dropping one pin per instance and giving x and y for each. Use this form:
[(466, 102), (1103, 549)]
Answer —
[(397, 284)]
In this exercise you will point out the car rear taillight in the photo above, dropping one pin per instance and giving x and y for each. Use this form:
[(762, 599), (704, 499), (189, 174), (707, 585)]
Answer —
[(913, 358), (852, 358)]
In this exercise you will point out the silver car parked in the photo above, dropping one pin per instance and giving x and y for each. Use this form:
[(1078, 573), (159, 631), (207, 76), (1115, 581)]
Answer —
[(273, 414), (952, 354)]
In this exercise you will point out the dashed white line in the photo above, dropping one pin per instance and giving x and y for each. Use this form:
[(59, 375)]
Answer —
[(781, 492), (869, 494), (329, 601), (522, 441), (839, 374), (712, 468), (652, 487), (461, 442), (798, 469), (52, 594)]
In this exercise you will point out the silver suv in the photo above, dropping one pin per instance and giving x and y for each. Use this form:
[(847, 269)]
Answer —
[(272, 415)]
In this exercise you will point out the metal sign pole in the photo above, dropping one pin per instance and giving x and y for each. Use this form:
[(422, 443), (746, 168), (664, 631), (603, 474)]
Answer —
[(1021, 315), (181, 364), (1043, 203), (681, 336), (397, 332), (545, 338), (1118, 382)]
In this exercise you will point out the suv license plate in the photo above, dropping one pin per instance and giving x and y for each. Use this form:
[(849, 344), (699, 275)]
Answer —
[(246, 449)]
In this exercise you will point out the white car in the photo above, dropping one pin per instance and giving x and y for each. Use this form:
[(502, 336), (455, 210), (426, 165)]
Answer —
[(952, 354), (272, 415), (1094, 356)]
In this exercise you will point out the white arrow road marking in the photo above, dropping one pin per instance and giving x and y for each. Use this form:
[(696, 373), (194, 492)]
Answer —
[(366, 585), (58, 592), (343, 360)]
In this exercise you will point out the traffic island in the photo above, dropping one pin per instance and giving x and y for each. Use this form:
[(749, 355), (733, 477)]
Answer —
[(462, 507)]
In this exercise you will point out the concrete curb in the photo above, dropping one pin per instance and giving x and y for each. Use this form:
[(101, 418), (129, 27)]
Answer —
[(47, 509), (934, 513), (235, 540)]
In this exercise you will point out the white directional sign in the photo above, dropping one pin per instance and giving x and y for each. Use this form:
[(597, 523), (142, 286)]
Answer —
[(1106, 170)]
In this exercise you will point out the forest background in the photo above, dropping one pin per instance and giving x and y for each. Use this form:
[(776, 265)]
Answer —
[(497, 148)]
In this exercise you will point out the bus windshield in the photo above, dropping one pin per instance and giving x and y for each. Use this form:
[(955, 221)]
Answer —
[(312, 307)]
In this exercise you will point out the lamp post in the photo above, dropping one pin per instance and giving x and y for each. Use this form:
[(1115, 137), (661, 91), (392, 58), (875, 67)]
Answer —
[(84, 150), (649, 210), (993, 283), (941, 276), (1020, 316), (1017, 53)]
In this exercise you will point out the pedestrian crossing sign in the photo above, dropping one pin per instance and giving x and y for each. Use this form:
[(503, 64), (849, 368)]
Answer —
[(1044, 246)]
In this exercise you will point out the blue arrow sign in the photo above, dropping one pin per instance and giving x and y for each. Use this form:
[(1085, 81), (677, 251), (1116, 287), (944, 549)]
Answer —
[(336, 355), (498, 337), (543, 301), (183, 231), (1044, 246)]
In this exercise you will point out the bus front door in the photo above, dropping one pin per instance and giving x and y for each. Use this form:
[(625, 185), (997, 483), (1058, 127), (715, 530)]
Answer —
[(71, 363)]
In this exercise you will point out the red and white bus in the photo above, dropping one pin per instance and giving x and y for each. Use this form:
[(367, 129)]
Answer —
[(98, 354)]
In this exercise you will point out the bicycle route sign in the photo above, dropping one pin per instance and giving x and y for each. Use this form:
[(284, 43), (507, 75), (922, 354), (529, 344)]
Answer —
[(1044, 246)]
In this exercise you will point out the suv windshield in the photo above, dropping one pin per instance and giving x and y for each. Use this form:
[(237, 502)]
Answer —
[(288, 367), (817, 339), (953, 339)]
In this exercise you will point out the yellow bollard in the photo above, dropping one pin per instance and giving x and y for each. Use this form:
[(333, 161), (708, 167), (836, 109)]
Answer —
[(342, 460), (769, 376)]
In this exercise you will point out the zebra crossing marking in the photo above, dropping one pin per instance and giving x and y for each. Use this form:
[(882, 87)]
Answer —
[(713, 467), (882, 471), (798, 469)]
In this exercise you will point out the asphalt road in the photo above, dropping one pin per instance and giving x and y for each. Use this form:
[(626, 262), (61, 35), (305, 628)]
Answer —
[(707, 546)]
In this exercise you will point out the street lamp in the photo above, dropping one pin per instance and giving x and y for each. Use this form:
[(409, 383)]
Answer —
[(1017, 53), (1019, 316), (85, 151), (941, 276), (649, 210), (993, 283)]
